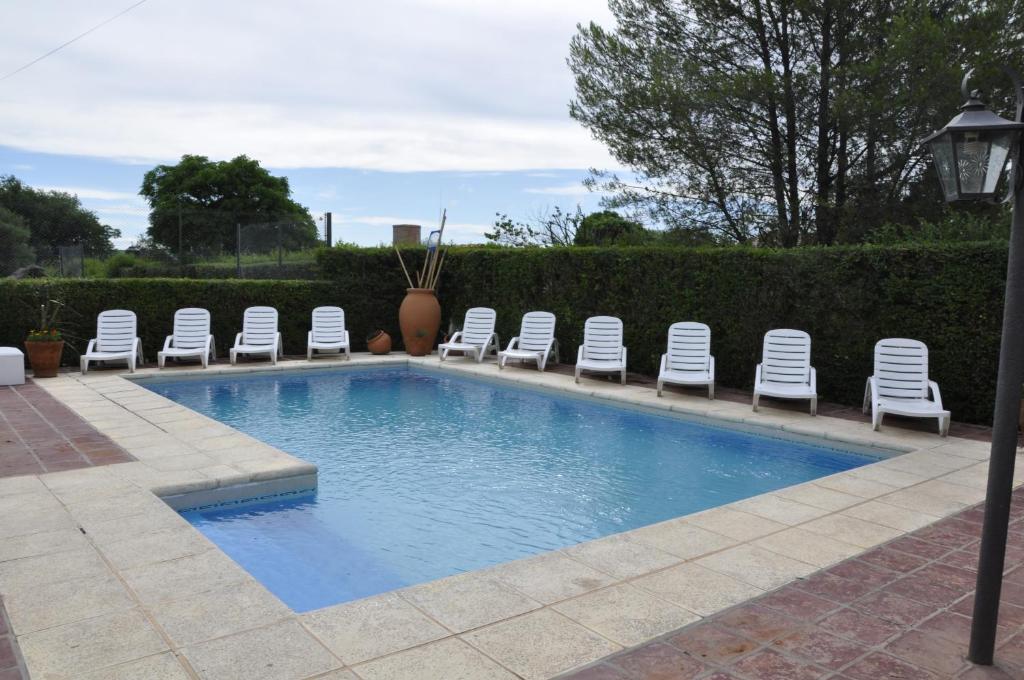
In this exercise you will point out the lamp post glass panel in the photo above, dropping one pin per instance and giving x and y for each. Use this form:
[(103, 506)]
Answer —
[(970, 154)]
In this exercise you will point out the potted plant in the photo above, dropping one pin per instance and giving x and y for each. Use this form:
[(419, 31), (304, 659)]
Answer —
[(378, 342), (45, 344)]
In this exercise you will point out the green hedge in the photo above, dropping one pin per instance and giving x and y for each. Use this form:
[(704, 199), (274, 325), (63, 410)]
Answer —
[(155, 300), (949, 296)]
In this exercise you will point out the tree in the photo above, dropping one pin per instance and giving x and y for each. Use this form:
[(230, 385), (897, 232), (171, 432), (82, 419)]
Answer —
[(556, 228), (55, 218), (609, 228), (198, 204), (780, 122), (15, 250)]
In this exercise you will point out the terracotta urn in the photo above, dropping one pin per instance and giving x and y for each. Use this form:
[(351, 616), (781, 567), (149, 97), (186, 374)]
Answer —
[(44, 357), (378, 342), (420, 318)]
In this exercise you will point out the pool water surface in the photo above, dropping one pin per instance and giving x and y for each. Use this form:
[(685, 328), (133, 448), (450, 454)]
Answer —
[(424, 475)]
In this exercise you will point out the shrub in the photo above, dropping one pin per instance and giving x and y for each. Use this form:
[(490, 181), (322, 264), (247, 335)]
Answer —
[(117, 263)]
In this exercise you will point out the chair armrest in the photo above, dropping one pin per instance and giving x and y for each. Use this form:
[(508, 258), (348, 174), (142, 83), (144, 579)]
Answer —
[(167, 342), (455, 336), (579, 355), (309, 338), (757, 376), (92, 345), (664, 361), (711, 367), (623, 356), (238, 339), (936, 395), (814, 380), (512, 343), (346, 339)]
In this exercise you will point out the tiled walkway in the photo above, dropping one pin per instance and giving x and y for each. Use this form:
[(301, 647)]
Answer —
[(39, 434), (11, 666), (900, 611)]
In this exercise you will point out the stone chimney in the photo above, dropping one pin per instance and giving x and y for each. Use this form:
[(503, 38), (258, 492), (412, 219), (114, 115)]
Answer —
[(405, 234)]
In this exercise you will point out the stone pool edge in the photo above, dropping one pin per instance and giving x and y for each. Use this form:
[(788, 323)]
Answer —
[(531, 618)]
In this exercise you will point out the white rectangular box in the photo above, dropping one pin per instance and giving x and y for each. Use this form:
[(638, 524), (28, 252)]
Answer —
[(12, 366)]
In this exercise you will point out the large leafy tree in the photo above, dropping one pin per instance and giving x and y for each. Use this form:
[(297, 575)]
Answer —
[(781, 121), (197, 205), (15, 251), (55, 218)]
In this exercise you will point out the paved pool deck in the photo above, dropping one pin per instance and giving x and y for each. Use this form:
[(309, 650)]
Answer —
[(101, 578)]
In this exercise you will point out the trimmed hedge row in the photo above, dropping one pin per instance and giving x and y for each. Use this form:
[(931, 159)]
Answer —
[(949, 296), (268, 270), (155, 300)]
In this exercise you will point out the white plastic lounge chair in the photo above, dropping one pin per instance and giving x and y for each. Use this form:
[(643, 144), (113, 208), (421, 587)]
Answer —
[(785, 370), (115, 340), (688, 360), (190, 338), (328, 334), (900, 384), (259, 334), (602, 350), (477, 337), (535, 342)]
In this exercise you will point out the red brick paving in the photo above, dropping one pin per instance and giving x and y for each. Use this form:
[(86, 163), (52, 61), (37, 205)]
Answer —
[(897, 612), (39, 434)]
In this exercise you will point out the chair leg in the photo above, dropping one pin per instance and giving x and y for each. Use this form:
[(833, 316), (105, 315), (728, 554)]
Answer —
[(876, 420), (661, 384), (622, 378), (814, 406), (84, 365), (711, 391), (867, 396), (577, 376), (756, 397), (160, 359), (232, 357)]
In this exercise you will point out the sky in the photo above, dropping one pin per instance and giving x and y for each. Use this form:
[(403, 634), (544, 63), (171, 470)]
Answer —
[(381, 112)]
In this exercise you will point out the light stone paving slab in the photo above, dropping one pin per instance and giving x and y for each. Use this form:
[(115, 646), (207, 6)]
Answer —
[(467, 601), (372, 627), (55, 604), (625, 614), (449, 659), (540, 644), (533, 617), (70, 651), (283, 651)]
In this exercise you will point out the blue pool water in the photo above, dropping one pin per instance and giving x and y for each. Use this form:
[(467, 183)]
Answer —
[(423, 475)]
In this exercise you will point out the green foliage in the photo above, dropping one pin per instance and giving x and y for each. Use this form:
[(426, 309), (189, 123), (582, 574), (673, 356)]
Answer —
[(783, 123), (119, 262), (15, 251), (197, 204), (609, 228), (955, 225), (847, 298), (55, 218)]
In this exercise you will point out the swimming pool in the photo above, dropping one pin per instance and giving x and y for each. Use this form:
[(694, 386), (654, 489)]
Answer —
[(423, 475)]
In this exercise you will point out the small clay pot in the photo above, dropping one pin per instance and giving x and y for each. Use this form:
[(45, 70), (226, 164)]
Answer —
[(44, 357), (378, 342), (420, 319)]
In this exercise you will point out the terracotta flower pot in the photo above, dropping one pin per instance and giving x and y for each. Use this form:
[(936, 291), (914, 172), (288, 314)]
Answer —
[(379, 342), (420, 318), (44, 357)]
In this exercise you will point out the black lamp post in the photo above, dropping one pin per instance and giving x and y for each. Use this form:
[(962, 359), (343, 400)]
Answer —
[(970, 154)]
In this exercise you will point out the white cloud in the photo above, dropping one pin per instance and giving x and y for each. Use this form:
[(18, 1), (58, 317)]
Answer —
[(575, 189), (399, 85), (94, 194)]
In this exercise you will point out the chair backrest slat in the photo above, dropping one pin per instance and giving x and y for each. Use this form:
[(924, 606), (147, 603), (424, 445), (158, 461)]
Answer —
[(191, 328), (602, 338), (328, 324), (901, 368), (537, 331), (115, 330), (786, 357), (689, 346), (479, 325), (259, 326)]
